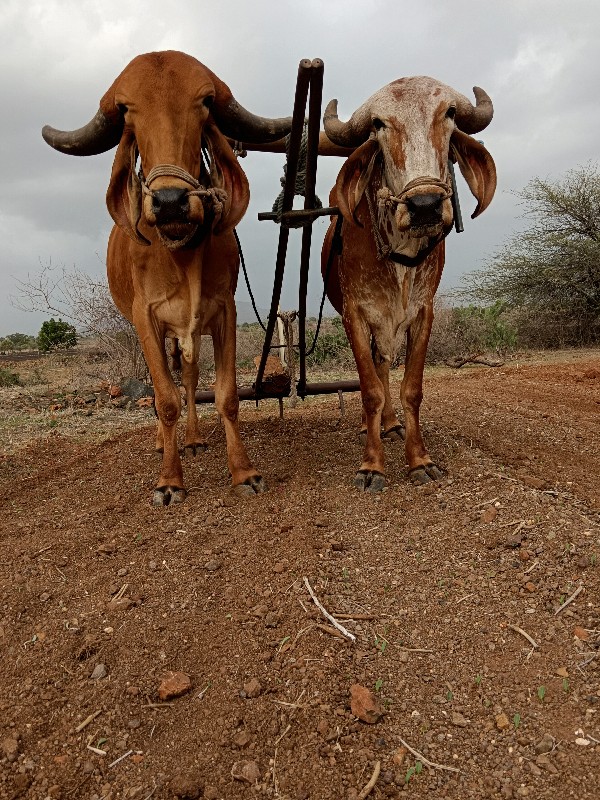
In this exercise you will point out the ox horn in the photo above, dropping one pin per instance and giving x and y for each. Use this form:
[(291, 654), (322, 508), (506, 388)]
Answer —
[(346, 134), (238, 123), (470, 118), (98, 136)]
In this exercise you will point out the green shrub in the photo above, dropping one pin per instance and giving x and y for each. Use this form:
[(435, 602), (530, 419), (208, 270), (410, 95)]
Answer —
[(8, 378), (56, 333)]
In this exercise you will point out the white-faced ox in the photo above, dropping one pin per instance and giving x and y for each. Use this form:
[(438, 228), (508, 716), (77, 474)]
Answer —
[(175, 194), (394, 193)]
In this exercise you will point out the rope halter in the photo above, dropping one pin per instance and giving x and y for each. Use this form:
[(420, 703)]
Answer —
[(386, 198), (213, 197)]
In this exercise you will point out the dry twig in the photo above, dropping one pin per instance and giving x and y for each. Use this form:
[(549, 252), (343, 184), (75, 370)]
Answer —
[(516, 628), (426, 761), (366, 790), (569, 600), (87, 721), (120, 758), (326, 613)]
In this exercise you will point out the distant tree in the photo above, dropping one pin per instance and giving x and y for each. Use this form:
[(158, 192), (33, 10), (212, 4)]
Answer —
[(55, 334), (551, 271), (17, 341)]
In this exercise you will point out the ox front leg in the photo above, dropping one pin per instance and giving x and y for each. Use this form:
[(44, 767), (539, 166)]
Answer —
[(244, 477), (393, 430), (421, 468), (371, 475), (167, 401), (194, 442)]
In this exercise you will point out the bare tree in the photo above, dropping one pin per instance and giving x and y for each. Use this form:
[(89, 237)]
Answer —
[(86, 302), (551, 271)]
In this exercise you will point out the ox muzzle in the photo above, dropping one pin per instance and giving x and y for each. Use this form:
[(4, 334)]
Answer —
[(178, 212), (422, 208)]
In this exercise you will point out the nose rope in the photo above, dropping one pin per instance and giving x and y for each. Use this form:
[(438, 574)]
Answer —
[(215, 196), (385, 196), (385, 200)]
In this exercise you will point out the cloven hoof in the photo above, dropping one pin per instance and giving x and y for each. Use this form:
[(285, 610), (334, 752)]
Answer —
[(195, 449), (425, 474), (167, 495), (395, 434), (368, 481), (256, 484)]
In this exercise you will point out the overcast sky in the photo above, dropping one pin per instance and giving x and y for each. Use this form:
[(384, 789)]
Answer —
[(539, 62)]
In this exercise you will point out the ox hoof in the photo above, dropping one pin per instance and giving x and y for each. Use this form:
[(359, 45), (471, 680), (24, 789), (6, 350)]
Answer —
[(252, 486), (195, 449), (368, 481), (395, 434), (167, 495), (425, 474)]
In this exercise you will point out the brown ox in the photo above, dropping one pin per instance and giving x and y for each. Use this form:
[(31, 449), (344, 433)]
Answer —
[(172, 257), (394, 192)]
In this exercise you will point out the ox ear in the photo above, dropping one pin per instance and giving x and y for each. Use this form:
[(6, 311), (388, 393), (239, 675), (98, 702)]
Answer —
[(124, 195), (477, 167), (354, 178), (226, 174)]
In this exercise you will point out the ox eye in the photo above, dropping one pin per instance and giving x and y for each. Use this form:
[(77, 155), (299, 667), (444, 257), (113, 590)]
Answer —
[(378, 124), (208, 101), (451, 113)]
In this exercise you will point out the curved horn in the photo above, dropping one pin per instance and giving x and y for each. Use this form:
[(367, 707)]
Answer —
[(98, 136), (238, 123), (346, 134), (470, 118)]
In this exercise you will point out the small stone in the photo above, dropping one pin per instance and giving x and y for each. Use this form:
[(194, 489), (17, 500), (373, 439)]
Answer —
[(10, 748), (562, 672), (100, 671), (489, 515), (322, 727), (581, 633), (364, 704), (122, 572), (120, 604), (279, 567), (533, 482), (211, 793), (524, 555), (88, 767), (534, 769), (134, 723), (187, 787), (400, 756), (246, 771), (459, 720), (241, 739), (45, 596), (545, 745), (252, 688), (174, 684), (502, 721), (583, 562), (531, 587), (213, 565)]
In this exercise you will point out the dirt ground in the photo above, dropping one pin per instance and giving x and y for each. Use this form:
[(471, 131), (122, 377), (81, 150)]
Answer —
[(474, 601)]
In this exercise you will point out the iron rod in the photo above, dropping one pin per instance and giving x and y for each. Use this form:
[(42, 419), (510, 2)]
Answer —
[(312, 152), (299, 216), (249, 392), (302, 84)]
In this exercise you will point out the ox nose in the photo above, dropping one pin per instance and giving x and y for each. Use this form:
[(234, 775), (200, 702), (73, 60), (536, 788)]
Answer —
[(425, 209), (170, 205)]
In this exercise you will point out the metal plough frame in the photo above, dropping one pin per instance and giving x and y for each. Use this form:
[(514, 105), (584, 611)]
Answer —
[(309, 88)]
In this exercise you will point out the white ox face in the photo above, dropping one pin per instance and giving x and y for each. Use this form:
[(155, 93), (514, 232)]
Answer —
[(409, 130), (413, 120)]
